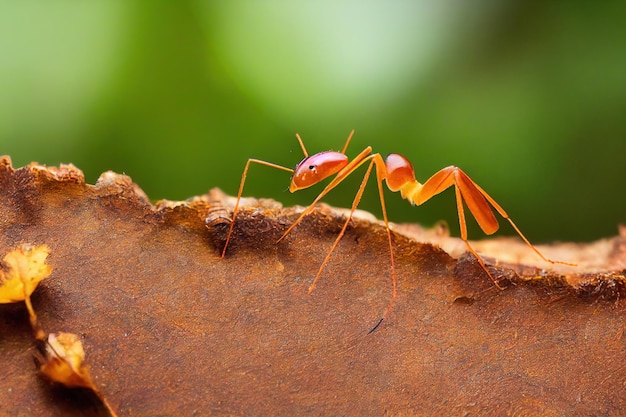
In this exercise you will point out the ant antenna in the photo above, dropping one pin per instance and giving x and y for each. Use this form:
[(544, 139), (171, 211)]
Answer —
[(345, 147), (306, 154)]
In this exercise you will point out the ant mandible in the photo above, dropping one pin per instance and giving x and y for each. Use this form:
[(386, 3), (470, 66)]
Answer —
[(399, 175)]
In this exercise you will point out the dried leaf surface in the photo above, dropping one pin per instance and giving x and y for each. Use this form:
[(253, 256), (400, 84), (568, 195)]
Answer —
[(176, 330)]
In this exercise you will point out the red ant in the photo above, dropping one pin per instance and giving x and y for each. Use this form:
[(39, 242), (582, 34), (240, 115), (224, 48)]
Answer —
[(398, 172)]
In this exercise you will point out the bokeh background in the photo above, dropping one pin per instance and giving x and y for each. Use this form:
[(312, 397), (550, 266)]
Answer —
[(528, 97)]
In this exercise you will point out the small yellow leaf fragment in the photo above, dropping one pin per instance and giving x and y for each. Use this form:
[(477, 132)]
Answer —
[(64, 361), (26, 268)]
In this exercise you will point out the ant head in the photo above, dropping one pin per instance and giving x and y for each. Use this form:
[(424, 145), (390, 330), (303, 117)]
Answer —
[(316, 168)]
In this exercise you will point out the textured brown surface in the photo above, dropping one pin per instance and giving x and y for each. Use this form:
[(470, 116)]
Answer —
[(169, 328)]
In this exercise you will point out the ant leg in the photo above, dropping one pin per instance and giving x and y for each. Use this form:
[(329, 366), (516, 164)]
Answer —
[(243, 180), (381, 173), (475, 195), (463, 227), (355, 203)]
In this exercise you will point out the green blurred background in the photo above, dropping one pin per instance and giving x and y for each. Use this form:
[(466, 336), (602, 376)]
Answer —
[(528, 97)]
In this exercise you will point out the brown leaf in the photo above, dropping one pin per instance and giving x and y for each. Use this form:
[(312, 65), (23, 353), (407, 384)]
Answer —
[(177, 330)]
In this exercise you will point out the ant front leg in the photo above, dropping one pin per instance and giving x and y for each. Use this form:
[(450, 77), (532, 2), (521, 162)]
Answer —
[(243, 180)]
